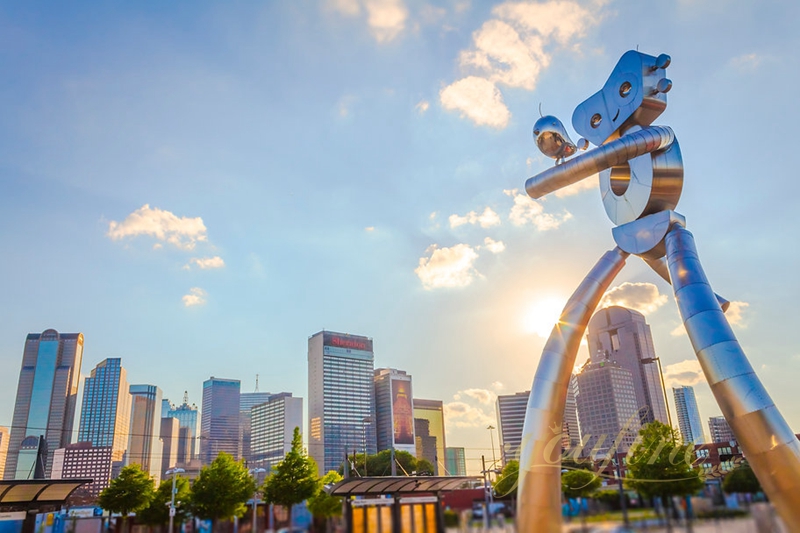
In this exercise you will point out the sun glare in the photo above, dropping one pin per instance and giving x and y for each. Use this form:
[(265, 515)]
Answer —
[(542, 315)]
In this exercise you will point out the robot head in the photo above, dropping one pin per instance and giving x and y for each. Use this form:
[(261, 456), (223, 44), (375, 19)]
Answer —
[(552, 139), (634, 95)]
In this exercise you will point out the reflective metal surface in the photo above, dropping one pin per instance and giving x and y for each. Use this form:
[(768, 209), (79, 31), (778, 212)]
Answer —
[(612, 154), (645, 237), (768, 442), (539, 492), (552, 138)]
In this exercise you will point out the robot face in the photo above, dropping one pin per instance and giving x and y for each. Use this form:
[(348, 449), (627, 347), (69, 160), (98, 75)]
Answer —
[(634, 95), (552, 139)]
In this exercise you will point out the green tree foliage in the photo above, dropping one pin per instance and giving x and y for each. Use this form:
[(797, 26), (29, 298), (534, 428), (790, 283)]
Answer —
[(294, 479), (569, 463), (423, 466), (130, 492), (579, 483), (506, 484), (221, 490), (380, 464), (741, 480), (322, 505), (157, 512), (660, 465)]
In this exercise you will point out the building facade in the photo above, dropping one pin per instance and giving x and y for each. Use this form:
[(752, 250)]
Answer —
[(272, 428), (106, 408), (248, 400), (607, 408), (219, 419), (431, 411), (341, 397), (144, 443), (394, 412), (188, 430), (84, 460), (3, 449), (689, 420), (622, 335), (456, 461), (719, 430), (46, 396), (170, 434)]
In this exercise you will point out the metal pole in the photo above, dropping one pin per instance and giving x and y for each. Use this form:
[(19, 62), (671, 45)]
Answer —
[(255, 472), (664, 389), (622, 503), (174, 472), (485, 495), (491, 436)]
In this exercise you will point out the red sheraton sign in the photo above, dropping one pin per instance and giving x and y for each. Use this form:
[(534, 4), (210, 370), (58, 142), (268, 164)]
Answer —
[(352, 342)]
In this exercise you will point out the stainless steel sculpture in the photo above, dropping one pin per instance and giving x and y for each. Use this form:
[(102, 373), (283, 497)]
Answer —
[(641, 177)]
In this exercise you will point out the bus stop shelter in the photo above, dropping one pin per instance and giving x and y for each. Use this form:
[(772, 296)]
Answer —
[(407, 504), (22, 500)]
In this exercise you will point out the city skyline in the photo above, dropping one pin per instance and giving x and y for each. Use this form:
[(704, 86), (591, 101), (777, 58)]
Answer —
[(217, 183)]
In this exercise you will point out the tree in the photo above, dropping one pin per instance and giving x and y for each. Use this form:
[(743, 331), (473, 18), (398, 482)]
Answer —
[(741, 480), (221, 490), (506, 484), (380, 464), (294, 479), (130, 492), (423, 467), (579, 484), (322, 505), (659, 465), (157, 512)]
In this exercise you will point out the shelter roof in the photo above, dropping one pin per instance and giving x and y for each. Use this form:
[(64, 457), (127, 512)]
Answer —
[(360, 486)]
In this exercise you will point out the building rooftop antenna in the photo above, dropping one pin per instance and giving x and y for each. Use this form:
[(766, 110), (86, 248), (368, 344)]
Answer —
[(186, 397), (256, 383)]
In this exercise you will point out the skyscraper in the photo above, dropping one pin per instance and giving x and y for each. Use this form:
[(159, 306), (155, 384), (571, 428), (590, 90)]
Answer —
[(3, 449), (144, 444), (341, 401), (607, 407), (106, 408), (46, 397), (219, 420), (188, 430), (272, 427), (511, 410), (689, 419), (248, 400), (84, 460), (622, 335), (456, 461), (433, 412), (169, 432), (720, 431), (394, 411)]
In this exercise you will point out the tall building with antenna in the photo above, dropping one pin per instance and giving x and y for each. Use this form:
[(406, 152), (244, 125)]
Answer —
[(248, 400), (188, 430)]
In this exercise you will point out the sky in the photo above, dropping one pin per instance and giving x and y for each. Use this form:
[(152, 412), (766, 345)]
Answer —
[(199, 187)]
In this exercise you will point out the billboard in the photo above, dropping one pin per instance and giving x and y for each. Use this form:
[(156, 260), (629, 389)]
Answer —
[(402, 412), (350, 342)]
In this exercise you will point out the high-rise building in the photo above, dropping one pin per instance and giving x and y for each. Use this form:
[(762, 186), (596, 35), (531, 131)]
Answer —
[(188, 430), (341, 397), (166, 407), (144, 444), (272, 428), (394, 411), (622, 335), (248, 400), (689, 420), (82, 460), (719, 430), (106, 408), (170, 431), (219, 420), (3, 449), (456, 461), (425, 446), (607, 407), (433, 412), (46, 397), (511, 409)]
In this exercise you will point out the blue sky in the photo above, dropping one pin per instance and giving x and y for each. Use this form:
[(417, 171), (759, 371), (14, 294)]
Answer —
[(199, 188)]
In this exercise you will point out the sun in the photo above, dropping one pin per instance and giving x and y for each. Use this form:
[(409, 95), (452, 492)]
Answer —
[(542, 315)]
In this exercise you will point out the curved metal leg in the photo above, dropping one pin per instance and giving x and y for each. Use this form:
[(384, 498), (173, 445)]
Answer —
[(539, 490), (768, 442)]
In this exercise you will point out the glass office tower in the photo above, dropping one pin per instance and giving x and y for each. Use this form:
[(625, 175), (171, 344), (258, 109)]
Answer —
[(341, 401), (188, 431), (219, 420), (144, 443), (689, 421), (106, 408), (46, 397), (431, 411)]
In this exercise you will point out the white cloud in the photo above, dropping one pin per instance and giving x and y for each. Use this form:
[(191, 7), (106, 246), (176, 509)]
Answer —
[(643, 297), (386, 18), (369, 228), (448, 267), (483, 396), (678, 331), (511, 50), (747, 62), (422, 106), (182, 232), (498, 386), (494, 246), (477, 99), (487, 219), (206, 262), (462, 415), (735, 313), (576, 188), (686, 372), (196, 296), (527, 210)]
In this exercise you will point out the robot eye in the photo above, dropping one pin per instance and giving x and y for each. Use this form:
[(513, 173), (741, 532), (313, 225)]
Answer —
[(625, 89), (596, 120)]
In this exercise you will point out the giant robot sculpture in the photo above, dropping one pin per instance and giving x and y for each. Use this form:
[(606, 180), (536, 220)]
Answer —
[(641, 177)]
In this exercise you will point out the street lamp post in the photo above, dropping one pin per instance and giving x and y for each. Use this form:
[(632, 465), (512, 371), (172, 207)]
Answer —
[(365, 421), (255, 472), (491, 436), (174, 473), (649, 360), (622, 503)]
